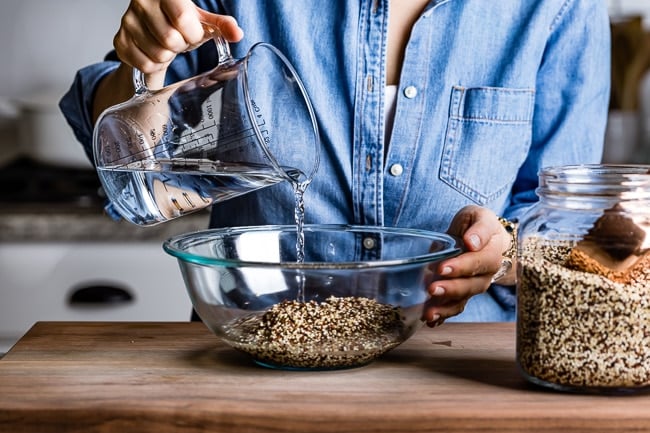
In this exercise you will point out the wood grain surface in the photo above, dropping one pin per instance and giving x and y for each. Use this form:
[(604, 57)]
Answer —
[(178, 377)]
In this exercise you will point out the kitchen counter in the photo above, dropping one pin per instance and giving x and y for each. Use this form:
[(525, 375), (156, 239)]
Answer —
[(178, 377), (50, 223)]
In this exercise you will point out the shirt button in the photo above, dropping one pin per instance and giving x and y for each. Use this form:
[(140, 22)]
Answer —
[(369, 243), (396, 170), (410, 92)]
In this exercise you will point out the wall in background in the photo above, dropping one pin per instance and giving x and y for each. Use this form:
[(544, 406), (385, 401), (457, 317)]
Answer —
[(630, 7), (43, 43), (628, 128)]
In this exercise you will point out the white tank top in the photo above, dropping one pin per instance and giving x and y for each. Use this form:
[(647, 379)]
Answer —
[(390, 96)]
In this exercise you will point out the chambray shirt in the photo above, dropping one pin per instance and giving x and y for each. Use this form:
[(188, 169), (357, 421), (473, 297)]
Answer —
[(489, 92)]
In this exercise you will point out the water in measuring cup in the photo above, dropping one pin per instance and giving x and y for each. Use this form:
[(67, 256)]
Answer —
[(153, 192)]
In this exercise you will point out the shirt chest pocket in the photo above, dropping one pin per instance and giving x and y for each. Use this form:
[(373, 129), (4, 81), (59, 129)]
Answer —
[(487, 140)]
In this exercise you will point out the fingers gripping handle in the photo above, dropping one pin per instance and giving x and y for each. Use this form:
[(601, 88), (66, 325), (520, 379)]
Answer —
[(223, 56)]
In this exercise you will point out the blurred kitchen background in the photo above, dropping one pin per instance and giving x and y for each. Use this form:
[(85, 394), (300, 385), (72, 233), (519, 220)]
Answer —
[(61, 258), (43, 43), (628, 127)]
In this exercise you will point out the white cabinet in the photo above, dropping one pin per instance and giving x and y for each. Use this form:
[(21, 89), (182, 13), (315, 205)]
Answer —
[(37, 279)]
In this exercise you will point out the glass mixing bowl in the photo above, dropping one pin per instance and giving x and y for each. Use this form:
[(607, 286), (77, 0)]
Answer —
[(359, 292)]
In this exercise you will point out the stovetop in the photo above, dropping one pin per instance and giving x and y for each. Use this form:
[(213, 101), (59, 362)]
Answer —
[(41, 202), (28, 184)]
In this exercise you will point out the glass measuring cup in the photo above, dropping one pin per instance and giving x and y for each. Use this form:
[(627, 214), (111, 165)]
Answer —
[(244, 125)]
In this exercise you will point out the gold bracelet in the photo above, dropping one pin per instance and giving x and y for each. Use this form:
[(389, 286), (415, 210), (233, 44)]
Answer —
[(511, 228), (509, 255)]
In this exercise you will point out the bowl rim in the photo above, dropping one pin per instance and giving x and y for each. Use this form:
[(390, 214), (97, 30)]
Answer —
[(171, 248)]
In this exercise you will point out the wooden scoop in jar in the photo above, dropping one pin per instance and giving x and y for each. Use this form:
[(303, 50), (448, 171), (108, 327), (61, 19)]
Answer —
[(615, 247)]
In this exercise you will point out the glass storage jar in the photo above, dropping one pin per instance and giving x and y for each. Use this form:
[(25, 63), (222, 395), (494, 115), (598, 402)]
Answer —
[(583, 280)]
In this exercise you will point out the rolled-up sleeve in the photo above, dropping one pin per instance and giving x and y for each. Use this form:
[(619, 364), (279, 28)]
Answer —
[(77, 103)]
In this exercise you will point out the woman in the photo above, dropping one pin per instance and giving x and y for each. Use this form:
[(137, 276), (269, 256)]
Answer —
[(434, 114)]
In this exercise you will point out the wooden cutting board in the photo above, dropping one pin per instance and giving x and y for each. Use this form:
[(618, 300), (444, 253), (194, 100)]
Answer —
[(178, 377)]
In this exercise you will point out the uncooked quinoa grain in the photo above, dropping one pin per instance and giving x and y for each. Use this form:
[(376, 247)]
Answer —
[(338, 332), (578, 329)]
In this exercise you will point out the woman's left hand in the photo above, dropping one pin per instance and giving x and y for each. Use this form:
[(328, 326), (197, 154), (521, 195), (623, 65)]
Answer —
[(457, 279)]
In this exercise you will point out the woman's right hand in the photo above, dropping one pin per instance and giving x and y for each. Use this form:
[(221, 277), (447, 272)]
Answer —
[(153, 32)]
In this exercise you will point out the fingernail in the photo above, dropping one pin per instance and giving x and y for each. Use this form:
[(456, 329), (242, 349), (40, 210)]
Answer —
[(435, 317), (446, 270), (475, 241), (438, 291)]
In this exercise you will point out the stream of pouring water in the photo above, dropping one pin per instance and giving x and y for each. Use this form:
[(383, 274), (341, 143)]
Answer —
[(299, 215)]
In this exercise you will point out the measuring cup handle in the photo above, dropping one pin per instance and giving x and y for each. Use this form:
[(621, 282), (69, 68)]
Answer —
[(139, 84), (223, 56), (223, 49)]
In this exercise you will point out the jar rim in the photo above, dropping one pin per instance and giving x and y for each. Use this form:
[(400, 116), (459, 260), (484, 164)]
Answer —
[(623, 181), (610, 172)]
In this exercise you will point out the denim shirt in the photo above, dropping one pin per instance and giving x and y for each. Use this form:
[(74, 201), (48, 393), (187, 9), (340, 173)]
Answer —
[(489, 92)]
